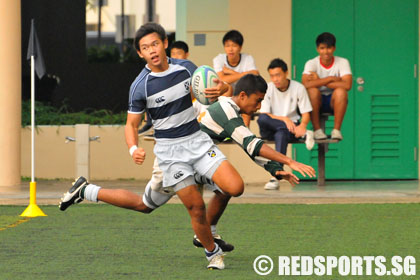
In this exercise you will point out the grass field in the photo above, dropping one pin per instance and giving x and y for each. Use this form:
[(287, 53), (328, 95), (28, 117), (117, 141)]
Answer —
[(104, 242)]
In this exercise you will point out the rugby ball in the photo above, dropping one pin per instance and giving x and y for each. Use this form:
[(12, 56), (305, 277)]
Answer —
[(203, 78)]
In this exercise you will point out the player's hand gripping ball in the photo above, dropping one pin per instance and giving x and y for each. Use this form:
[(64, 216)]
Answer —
[(203, 78)]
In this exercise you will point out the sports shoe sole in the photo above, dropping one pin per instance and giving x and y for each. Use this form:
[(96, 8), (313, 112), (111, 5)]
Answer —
[(73, 195), (217, 263)]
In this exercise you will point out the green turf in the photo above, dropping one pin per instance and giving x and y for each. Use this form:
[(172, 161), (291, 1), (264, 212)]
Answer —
[(104, 242)]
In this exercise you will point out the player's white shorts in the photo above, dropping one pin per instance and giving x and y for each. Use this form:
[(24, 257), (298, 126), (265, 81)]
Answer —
[(155, 195), (180, 158), (156, 198)]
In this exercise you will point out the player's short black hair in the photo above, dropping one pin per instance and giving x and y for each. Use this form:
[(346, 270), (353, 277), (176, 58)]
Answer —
[(147, 29), (277, 62), (234, 36), (325, 38), (180, 45), (250, 84)]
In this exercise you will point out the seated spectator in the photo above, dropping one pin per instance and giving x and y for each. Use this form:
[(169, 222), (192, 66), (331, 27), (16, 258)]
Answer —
[(179, 50), (280, 119), (328, 79), (232, 65)]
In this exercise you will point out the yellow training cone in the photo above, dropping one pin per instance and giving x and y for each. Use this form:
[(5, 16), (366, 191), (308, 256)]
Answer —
[(32, 210)]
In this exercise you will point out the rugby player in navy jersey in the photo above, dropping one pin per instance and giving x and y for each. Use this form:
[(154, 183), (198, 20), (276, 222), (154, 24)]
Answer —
[(163, 90), (222, 120)]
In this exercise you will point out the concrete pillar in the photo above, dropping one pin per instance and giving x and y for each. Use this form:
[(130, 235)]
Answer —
[(181, 20), (10, 92), (82, 150)]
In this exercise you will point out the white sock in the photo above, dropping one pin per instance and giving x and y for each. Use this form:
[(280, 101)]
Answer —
[(91, 192), (210, 255), (213, 230)]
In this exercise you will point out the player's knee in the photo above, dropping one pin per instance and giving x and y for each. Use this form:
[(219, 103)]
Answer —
[(141, 207), (237, 193), (198, 212), (196, 207), (147, 210), (222, 196), (237, 188)]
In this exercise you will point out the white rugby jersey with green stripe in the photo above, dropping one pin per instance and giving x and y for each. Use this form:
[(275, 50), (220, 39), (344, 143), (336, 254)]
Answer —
[(222, 120)]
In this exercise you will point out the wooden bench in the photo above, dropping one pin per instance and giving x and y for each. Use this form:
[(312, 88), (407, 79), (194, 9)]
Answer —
[(322, 150)]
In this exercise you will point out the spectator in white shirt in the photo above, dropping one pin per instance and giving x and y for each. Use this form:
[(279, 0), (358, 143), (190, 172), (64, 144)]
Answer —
[(233, 65), (328, 79), (285, 111)]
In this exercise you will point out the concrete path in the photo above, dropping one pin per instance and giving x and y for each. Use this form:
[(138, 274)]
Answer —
[(50, 191)]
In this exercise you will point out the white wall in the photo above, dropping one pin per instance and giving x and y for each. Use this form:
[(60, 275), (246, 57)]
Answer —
[(109, 158)]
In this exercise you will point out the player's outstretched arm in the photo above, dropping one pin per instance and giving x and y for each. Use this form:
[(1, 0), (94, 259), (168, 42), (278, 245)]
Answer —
[(303, 169)]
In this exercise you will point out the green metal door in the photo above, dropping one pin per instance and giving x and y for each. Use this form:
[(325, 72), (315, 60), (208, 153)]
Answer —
[(311, 18), (380, 41), (386, 103)]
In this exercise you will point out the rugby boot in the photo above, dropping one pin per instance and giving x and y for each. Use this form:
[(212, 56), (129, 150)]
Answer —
[(226, 247), (74, 195)]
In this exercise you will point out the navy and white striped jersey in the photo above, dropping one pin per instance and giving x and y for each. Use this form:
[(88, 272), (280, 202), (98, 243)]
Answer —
[(166, 96)]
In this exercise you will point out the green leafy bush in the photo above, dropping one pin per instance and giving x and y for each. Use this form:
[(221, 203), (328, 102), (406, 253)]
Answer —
[(109, 54), (49, 115), (112, 54)]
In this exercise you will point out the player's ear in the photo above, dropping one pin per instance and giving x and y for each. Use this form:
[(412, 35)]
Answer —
[(165, 43), (242, 95), (139, 53)]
